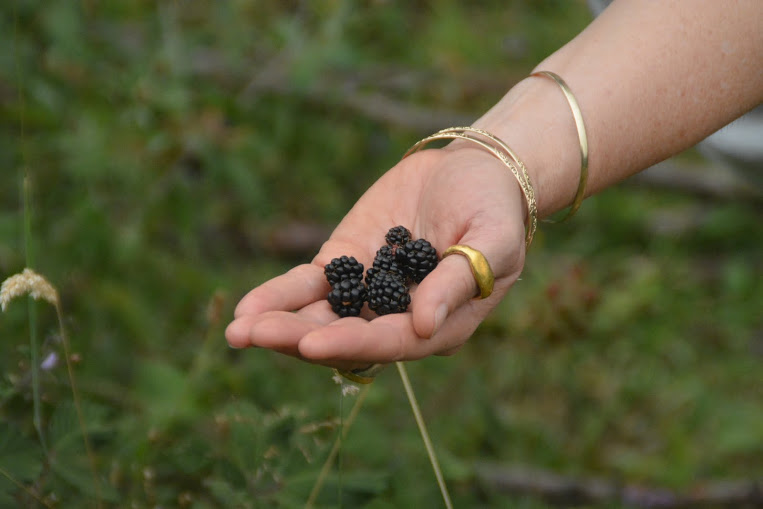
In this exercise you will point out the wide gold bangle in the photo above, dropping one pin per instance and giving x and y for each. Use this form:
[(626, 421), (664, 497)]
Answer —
[(582, 138), (500, 150)]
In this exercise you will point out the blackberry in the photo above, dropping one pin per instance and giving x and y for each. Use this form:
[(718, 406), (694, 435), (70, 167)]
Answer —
[(347, 297), (388, 293), (398, 236), (395, 266), (344, 267), (418, 258), (384, 261)]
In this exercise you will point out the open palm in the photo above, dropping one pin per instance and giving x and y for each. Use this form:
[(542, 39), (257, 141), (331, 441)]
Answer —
[(448, 196)]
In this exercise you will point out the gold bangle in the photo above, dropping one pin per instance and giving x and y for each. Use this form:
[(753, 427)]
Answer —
[(504, 154), (582, 138)]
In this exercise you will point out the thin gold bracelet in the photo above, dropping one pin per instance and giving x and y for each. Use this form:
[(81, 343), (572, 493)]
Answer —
[(504, 154), (582, 138)]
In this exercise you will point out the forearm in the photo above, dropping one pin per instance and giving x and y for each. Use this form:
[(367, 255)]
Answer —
[(652, 79)]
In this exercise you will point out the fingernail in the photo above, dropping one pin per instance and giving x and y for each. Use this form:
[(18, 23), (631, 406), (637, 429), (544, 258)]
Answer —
[(439, 317)]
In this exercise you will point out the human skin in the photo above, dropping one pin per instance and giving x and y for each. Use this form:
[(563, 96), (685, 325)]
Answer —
[(652, 78)]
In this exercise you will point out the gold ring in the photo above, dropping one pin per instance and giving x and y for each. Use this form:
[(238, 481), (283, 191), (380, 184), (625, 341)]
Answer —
[(481, 270), (362, 375)]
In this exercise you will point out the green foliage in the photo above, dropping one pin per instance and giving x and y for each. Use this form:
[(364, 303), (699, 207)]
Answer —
[(167, 141), (20, 462)]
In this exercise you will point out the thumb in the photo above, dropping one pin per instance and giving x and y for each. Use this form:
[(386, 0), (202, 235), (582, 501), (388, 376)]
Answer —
[(452, 284)]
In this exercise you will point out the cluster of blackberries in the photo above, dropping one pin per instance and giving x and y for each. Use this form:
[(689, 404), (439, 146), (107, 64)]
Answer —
[(348, 293), (398, 264)]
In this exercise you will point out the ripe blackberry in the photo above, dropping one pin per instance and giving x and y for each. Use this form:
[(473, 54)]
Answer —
[(344, 267), (418, 258), (398, 236), (388, 293), (384, 261), (347, 297)]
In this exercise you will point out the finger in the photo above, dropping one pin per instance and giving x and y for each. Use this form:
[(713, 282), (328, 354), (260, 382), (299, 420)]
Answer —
[(452, 283), (385, 339), (276, 330), (446, 288), (293, 290)]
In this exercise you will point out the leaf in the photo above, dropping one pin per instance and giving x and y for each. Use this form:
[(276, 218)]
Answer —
[(75, 470), (20, 461), (19, 456), (68, 456)]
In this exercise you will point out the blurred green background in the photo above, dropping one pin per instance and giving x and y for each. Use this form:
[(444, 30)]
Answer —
[(180, 153)]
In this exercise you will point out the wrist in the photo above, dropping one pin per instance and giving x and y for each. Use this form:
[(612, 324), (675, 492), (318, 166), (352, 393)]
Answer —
[(512, 167), (467, 154), (533, 118)]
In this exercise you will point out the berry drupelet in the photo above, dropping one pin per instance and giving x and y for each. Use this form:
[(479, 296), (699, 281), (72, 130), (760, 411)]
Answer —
[(418, 258)]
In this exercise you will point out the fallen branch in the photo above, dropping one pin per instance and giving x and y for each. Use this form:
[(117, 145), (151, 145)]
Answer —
[(562, 490), (704, 180), (373, 93), (345, 90)]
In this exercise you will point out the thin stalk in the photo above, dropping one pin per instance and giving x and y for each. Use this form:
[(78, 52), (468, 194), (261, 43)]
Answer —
[(336, 447), (26, 196), (34, 343), (78, 404), (424, 434), (21, 486), (339, 466)]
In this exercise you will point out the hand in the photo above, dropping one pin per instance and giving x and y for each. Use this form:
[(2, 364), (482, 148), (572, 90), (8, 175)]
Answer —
[(447, 196)]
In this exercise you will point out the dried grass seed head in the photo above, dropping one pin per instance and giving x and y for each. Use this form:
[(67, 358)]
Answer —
[(28, 282)]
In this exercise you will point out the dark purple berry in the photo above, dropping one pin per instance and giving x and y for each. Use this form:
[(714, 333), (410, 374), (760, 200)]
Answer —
[(347, 297), (341, 268), (417, 258), (383, 262), (388, 293), (397, 236)]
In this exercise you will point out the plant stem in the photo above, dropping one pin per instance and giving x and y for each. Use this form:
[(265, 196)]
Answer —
[(424, 434), (34, 343), (78, 404), (26, 197), (339, 468), (21, 486), (336, 447)]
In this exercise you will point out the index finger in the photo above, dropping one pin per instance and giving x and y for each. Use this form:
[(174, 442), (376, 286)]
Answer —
[(293, 290), (385, 339)]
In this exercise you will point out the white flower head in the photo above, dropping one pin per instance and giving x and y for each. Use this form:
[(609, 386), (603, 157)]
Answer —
[(27, 282), (348, 389)]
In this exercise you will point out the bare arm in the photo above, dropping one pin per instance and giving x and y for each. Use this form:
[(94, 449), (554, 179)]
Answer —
[(652, 78)]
